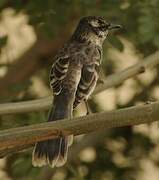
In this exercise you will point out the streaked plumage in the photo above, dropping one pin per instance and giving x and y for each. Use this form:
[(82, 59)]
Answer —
[(86, 57), (73, 78)]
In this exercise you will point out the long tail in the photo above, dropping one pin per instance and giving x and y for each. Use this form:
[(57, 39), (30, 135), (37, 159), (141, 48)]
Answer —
[(54, 152)]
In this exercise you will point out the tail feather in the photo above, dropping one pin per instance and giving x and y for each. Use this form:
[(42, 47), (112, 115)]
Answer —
[(51, 152), (47, 152), (62, 153), (54, 152)]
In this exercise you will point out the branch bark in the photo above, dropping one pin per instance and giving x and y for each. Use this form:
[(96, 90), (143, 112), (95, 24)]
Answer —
[(23, 137), (111, 81), (25, 106)]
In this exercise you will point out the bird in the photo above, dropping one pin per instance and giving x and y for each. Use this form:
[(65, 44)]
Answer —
[(73, 78)]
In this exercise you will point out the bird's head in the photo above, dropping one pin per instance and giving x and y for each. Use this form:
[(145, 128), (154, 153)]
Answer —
[(94, 29)]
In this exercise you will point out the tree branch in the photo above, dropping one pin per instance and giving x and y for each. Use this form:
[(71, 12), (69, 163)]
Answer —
[(23, 137), (113, 80), (118, 78), (25, 106)]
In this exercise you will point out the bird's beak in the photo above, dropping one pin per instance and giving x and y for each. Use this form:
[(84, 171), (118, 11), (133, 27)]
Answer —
[(114, 26)]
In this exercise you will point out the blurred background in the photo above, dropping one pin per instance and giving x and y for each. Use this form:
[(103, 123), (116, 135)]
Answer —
[(31, 32)]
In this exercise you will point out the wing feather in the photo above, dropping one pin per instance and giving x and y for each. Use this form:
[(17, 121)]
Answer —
[(58, 73), (89, 77), (87, 83)]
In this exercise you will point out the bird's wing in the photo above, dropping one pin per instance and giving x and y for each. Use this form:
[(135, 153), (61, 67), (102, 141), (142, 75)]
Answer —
[(58, 72), (89, 77), (87, 83)]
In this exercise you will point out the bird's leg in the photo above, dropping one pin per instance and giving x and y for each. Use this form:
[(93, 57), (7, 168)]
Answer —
[(87, 107), (101, 75)]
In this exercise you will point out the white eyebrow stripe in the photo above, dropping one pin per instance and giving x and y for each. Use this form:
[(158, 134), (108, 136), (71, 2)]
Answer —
[(95, 23)]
